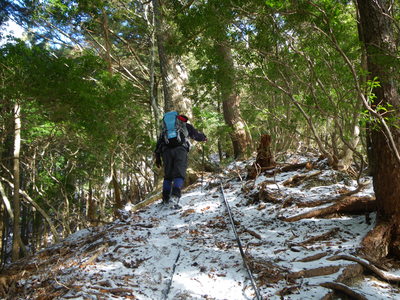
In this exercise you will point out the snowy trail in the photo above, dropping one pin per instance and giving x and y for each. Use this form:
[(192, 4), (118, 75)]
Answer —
[(209, 265), (134, 258)]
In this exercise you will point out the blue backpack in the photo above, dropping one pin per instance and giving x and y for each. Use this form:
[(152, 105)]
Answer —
[(174, 130)]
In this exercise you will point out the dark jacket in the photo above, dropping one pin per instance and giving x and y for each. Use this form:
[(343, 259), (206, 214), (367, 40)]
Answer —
[(192, 133)]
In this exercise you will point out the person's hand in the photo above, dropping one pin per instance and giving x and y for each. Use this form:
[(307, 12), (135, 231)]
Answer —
[(158, 162)]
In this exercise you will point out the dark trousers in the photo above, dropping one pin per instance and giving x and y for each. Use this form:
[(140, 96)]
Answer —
[(175, 165)]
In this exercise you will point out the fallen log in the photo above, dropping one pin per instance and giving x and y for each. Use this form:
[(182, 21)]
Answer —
[(146, 202), (354, 205)]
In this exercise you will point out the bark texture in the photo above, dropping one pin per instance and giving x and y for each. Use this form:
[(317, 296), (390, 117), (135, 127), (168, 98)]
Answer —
[(240, 137), (264, 160), (16, 199), (377, 35), (173, 72)]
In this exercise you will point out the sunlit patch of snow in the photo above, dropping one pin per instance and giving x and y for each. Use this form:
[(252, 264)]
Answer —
[(379, 290)]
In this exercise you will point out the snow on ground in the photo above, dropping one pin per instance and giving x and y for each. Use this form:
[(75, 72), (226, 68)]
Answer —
[(163, 253)]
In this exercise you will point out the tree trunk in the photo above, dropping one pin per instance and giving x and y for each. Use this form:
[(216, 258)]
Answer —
[(3, 234), (346, 159), (6, 202), (173, 72), (264, 159), (240, 137), (91, 205), (377, 34), (118, 204), (153, 85), (104, 23), (16, 201)]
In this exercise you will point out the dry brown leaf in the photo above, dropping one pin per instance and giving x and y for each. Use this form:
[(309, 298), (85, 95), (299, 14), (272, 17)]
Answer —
[(188, 212)]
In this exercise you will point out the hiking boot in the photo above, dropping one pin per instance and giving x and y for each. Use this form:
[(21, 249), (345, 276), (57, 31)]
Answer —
[(165, 197), (176, 206), (175, 202)]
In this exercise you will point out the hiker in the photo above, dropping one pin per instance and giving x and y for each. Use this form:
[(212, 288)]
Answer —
[(173, 146)]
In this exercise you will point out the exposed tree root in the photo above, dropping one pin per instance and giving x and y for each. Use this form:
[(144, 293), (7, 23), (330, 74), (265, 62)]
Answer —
[(313, 257), (320, 237), (368, 265), (377, 247), (114, 291), (348, 205), (252, 233), (375, 244), (97, 253), (343, 289), (321, 271), (315, 203), (288, 168), (299, 178), (336, 199), (348, 275)]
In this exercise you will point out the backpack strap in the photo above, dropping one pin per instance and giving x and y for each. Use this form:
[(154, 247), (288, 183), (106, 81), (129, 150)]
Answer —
[(181, 129)]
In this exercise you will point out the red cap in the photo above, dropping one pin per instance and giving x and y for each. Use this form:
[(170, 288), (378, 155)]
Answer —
[(183, 118)]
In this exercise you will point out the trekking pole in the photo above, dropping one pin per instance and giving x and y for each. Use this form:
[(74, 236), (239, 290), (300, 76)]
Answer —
[(168, 288), (202, 173)]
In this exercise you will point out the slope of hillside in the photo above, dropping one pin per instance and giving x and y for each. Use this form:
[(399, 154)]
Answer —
[(191, 253)]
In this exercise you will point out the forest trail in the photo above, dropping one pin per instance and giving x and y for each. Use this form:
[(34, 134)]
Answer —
[(191, 253)]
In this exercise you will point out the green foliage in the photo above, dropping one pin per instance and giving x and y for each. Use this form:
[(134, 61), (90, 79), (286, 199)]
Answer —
[(276, 4), (75, 90), (385, 110), (370, 86), (82, 109)]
